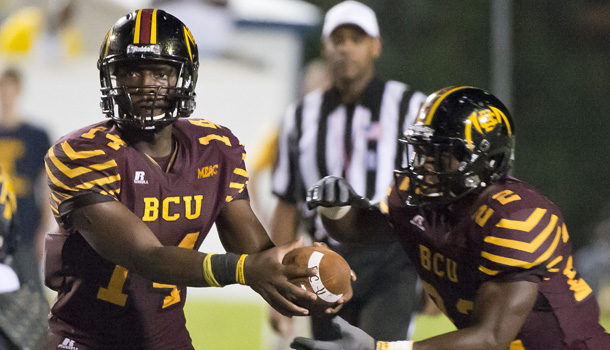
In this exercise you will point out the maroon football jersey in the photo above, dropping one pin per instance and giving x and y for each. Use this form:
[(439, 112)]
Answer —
[(103, 305), (508, 233)]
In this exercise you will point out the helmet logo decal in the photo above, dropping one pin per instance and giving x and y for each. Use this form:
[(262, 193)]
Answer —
[(155, 49), (146, 27), (189, 40), (485, 121)]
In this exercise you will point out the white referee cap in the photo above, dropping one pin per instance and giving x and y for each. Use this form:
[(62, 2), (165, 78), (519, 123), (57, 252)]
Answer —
[(351, 12)]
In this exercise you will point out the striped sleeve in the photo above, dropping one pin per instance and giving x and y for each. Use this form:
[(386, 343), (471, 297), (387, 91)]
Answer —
[(75, 168), (526, 240), (238, 179), (225, 147)]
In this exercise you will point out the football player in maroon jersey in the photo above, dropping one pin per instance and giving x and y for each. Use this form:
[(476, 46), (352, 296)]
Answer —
[(492, 253), (136, 195)]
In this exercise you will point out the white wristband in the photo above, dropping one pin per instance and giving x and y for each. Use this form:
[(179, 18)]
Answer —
[(395, 345), (334, 213)]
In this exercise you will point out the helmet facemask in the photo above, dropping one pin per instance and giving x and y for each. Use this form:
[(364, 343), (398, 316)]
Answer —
[(443, 170), (147, 107)]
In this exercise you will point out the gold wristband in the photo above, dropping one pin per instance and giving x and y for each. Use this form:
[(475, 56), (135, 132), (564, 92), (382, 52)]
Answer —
[(239, 271), (208, 275)]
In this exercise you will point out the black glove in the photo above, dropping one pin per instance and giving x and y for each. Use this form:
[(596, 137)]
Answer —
[(352, 338), (334, 191)]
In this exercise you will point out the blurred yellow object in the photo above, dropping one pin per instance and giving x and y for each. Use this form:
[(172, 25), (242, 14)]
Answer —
[(72, 41), (267, 151), (18, 32)]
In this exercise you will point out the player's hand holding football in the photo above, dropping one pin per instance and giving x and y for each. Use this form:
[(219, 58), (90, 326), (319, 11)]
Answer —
[(347, 296), (334, 191), (352, 338), (266, 275)]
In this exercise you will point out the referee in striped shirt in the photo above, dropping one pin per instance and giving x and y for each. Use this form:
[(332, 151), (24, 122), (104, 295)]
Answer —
[(350, 130)]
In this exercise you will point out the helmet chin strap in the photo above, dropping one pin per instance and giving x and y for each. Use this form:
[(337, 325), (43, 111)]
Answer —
[(156, 118)]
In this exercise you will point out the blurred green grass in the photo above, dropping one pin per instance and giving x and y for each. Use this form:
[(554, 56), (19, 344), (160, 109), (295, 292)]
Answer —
[(241, 325), (225, 324)]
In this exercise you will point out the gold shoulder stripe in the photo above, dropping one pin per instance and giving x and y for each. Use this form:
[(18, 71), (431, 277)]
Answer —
[(527, 225), (488, 271), (520, 263), (72, 173), (206, 139), (241, 172), (112, 193), (72, 154), (100, 182), (56, 181), (204, 123), (236, 185), (524, 246), (564, 233), (550, 266), (384, 206), (59, 197)]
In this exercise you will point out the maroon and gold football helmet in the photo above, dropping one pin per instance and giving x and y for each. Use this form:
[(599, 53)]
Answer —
[(148, 37)]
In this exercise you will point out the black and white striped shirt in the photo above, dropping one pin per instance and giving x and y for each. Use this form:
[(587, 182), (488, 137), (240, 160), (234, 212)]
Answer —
[(320, 136)]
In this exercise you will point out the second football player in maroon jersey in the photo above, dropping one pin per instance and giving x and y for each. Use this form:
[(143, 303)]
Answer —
[(492, 253)]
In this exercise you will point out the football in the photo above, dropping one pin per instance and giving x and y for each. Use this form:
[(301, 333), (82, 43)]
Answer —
[(332, 281)]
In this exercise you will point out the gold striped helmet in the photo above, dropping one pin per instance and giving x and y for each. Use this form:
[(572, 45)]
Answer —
[(462, 140)]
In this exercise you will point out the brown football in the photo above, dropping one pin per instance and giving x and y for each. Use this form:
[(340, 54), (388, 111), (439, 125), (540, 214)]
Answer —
[(333, 279)]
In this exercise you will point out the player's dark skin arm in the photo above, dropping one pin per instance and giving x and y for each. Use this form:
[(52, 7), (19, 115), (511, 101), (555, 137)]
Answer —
[(240, 231), (121, 237), (500, 309)]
